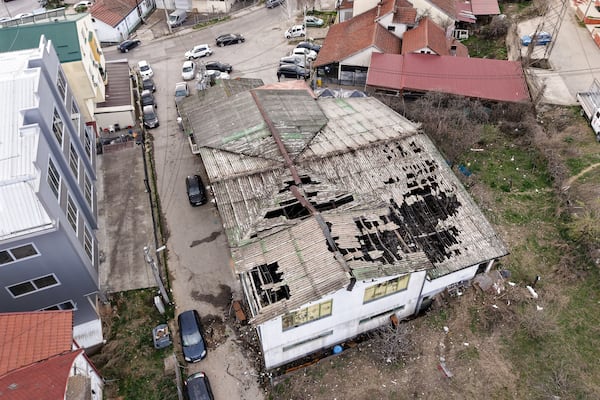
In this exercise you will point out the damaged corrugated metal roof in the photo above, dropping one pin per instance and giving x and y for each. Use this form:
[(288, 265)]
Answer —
[(333, 190)]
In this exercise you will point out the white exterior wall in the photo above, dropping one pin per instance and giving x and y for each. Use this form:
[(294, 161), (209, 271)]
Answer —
[(124, 116), (347, 310), (361, 59), (109, 34), (361, 6), (386, 21), (435, 286), (82, 366), (423, 8)]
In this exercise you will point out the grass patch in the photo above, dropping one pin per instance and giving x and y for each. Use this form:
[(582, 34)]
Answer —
[(129, 362), (576, 165), (486, 48), (210, 22)]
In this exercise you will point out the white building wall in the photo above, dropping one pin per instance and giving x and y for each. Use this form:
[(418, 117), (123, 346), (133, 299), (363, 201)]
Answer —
[(344, 323), (361, 59), (435, 286), (361, 6), (399, 29), (82, 366), (424, 8)]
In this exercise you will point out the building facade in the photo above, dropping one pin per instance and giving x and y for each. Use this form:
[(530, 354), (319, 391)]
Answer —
[(48, 248)]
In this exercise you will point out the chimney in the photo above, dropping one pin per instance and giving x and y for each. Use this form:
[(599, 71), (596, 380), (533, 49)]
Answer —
[(453, 50)]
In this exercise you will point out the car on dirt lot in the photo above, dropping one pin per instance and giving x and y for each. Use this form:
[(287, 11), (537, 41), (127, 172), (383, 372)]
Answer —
[(128, 44), (190, 332), (218, 66), (541, 39), (195, 190), (181, 91), (197, 387), (145, 69), (229, 38), (188, 71), (148, 84), (295, 31), (201, 50), (309, 45), (148, 99), (292, 71), (311, 20)]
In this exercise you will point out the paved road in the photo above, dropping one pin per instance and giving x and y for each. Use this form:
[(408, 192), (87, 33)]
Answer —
[(199, 261)]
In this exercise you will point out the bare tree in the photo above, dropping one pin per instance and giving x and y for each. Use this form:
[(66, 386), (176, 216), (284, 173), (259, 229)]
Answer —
[(391, 343)]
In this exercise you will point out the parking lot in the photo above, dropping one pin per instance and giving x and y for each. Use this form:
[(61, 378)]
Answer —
[(199, 261)]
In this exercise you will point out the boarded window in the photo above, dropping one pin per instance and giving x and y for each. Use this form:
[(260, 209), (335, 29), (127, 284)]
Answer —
[(386, 288)]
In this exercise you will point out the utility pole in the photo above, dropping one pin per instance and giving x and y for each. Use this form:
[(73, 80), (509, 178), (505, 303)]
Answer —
[(154, 267)]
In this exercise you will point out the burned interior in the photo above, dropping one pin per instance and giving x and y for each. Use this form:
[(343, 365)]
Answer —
[(268, 285)]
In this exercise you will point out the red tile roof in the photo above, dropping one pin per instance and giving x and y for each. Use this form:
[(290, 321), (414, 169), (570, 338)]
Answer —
[(485, 7), (112, 12), (497, 80), (40, 381), (429, 34), (29, 337), (405, 15), (357, 34)]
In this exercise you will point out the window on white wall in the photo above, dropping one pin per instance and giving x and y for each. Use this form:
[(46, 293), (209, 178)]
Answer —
[(386, 288), (61, 84), (306, 315), (87, 190), (74, 161), (72, 213), (57, 127), (88, 243)]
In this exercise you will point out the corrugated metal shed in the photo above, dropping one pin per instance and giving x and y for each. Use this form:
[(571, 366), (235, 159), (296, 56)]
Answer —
[(382, 202), (497, 80), (118, 89), (20, 209)]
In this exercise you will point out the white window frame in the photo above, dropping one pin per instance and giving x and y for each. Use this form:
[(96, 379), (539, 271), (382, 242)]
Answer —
[(53, 175), (88, 243), (88, 190), (61, 84), (87, 142), (74, 161), (15, 259), (32, 282), (72, 212), (60, 306), (58, 127)]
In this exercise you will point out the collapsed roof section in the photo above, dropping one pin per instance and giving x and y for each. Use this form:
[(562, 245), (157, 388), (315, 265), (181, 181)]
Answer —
[(331, 191)]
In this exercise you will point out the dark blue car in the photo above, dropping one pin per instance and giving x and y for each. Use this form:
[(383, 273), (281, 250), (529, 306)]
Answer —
[(190, 332)]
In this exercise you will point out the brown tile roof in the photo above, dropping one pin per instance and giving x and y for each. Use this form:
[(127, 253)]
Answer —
[(429, 34), (40, 381), (29, 337), (405, 15), (112, 12), (352, 36)]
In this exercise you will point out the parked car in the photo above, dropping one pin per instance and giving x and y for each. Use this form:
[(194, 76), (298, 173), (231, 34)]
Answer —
[(201, 50), (195, 190), (197, 387), (148, 84), (213, 74), (188, 71), (181, 91), (145, 69), (309, 45), (218, 66), (292, 71), (147, 99), (542, 39), (304, 52), (292, 60), (150, 117), (128, 44), (311, 20), (274, 3), (190, 331), (86, 4), (295, 31), (229, 38)]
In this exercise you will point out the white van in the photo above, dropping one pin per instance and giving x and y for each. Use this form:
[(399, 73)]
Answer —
[(295, 31), (177, 18)]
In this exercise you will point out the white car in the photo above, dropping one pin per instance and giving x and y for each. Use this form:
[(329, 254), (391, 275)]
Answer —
[(214, 74), (310, 55), (145, 69), (188, 71), (84, 3), (202, 50), (295, 31)]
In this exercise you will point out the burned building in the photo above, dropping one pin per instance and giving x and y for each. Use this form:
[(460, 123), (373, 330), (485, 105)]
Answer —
[(339, 213)]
